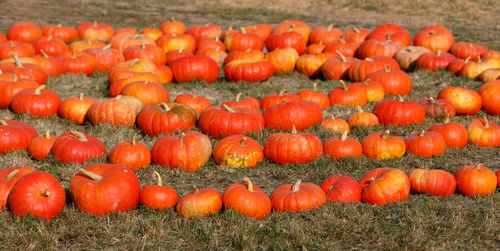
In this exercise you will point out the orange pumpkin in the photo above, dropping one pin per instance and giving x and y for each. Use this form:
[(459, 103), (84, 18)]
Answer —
[(340, 188), (297, 197), (247, 200), (342, 147), (199, 203), (121, 110), (426, 144), (238, 151), (436, 182), (131, 154), (383, 146), (158, 196), (384, 185), (490, 97), (335, 125), (483, 133), (465, 101), (475, 180)]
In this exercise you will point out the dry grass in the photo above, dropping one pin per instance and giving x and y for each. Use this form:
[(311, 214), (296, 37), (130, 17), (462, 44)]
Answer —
[(422, 222)]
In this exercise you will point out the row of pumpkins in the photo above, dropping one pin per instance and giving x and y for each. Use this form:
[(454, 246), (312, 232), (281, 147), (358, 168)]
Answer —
[(106, 188)]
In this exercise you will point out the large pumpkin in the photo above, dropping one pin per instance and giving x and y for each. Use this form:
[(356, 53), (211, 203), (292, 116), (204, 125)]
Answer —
[(383, 146), (340, 188), (436, 182), (455, 135), (195, 102), (161, 118), (475, 180), (490, 97), (395, 82), (483, 133), (77, 147), (301, 115), (250, 70), (247, 200), (391, 31), (199, 203), (384, 185), (348, 95), (36, 102), (426, 144), (219, 122), (200, 68), (435, 38), (146, 92), (75, 108), (121, 110), (238, 151), (15, 135), (297, 197), (392, 112), (465, 101), (9, 88)]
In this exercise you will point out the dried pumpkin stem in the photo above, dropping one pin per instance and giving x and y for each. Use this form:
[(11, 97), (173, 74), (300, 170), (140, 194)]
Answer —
[(243, 141), (294, 130), (2, 122), (249, 184), (486, 124), (296, 186), (158, 177), (11, 175), (165, 107), (195, 189), (447, 119), (39, 89), (238, 96), (369, 59), (342, 57), (45, 193), (359, 109), (18, 62), (344, 135), (438, 53), (315, 86), (47, 134), (422, 133), (172, 19), (105, 48), (282, 92), (92, 175), (385, 134), (342, 83), (44, 54), (229, 109), (81, 96), (80, 135)]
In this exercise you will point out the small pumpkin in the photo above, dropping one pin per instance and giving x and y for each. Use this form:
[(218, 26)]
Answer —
[(131, 154), (438, 108), (391, 31), (196, 102), (75, 108), (293, 148), (395, 82), (392, 112), (314, 96), (274, 99), (162, 118), (341, 188), (335, 125), (283, 59), (383, 146), (199, 203), (247, 199), (426, 144), (40, 146), (475, 180), (297, 197), (301, 115), (158, 197), (248, 102), (342, 147), (238, 151), (362, 118), (435, 38), (121, 110), (348, 95), (146, 92)]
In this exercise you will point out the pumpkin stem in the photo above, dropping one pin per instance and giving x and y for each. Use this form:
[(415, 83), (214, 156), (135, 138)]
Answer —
[(229, 109), (438, 53), (81, 96), (164, 106), (94, 24), (16, 59), (486, 124), (315, 86), (372, 179), (11, 175), (387, 68), (105, 48), (79, 135), (243, 141), (195, 189), (45, 193), (432, 100), (467, 60), (44, 54), (385, 134), (342, 40), (49, 37), (133, 62), (447, 119), (342, 57), (344, 135), (2, 122), (400, 98), (367, 81), (329, 27), (47, 134), (422, 133), (249, 184), (160, 181), (89, 42), (389, 35), (181, 48), (342, 83), (478, 166), (172, 19), (360, 110), (294, 130), (332, 116), (356, 30), (133, 142), (282, 92), (193, 95), (74, 55), (296, 186), (39, 89), (242, 29), (238, 96), (369, 59), (143, 46), (92, 175), (15, 76)]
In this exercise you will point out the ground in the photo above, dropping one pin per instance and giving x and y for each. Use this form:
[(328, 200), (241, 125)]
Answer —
[(451, 223)]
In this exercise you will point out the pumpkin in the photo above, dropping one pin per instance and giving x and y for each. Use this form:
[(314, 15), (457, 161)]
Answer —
[(15, 135), (395, 82), (219, 122), (77, 62), (455, 135), (438, 108), (383, 146), (25, 70), (475, 180), (173, 26), (77, 147), (126, 30), (283, 59), (105, 58), (434, 61), (297, 197), (199, 203), (198, 68), (356, 35), (348, 95), (391, 32), (36, 102), (359, 71), (490, 97), (153, 32), (392, 112), (491, 53), (65, 33), (146, 92), (326, 35), (207, 30), (130, 68), (195, 102), (301, 115), (214, 53), (456, 65), (121, 110), (278, 98), (174, 42), (293, 25), (164, 74), (51, 65), (465, 49), (407, 56), (81, 45), (175, 54), (498, 178), (375, 91), (247, 199), (483, 133), (39, 194), (24, 32), (8, 178), (342, 147), (9, 88), (50, 45), (314, 96), (287, 39), (131, 154), (246, 54), (95, 31), (341, 188), (426, 144), (262, 30), (21, 49), (336, 67), (162, 118), (75, 108), (465, 101), (384, 185), (105, 188), (362, 118), (435, 182), (211, 42), (40, 146), (315, 48), (122, 41), (188, 151), (342, 47), (490, 75), (240, 41), (250, 70), (238, 151), (473, 69), (158, 197), (372, 47), (293, 148), (248, 102), (435, 38), (335, 125), (310, 64), (117, 86)]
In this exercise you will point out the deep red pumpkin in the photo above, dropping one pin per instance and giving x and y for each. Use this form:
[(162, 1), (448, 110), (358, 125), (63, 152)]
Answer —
[(392, 112), (341, 188), (301, 115), (219, 122), (162, 118), (189, 68), (36, 102), (77, 147), (8, 178), (15, 135)]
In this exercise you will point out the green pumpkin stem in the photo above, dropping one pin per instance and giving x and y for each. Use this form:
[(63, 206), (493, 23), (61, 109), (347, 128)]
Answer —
[(367, 81), (249, 184), (296, 186), (79, 135), (386, 134), (74, 55), (229, 109), (92, 175), (158, 177), (11, 175)]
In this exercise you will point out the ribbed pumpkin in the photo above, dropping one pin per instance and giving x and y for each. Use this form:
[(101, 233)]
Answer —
[(40, 146), (297, 197), (292, 148), (342, 147), (467, 49), (75, 108), (262, 30), (21, 49), (15, 135), (9, 88), (360, 70), (199, 203), (465, 101), (336, 67), (438, 108), (188, 151), (95, 31), (121, 110), (77, 147), (195, 102), (131, 154), (490, 97), (475, 180), (150, 51), (161, 118), (301, 115), (25, 70), (274, 99), (146, 92), (456, 65), (238, 151), (206, 30), (24, 31), (173, 26), (455, 135), (77, 62), (383, 146), (372, 48), (158, 196), (391, 31), (342, 47), (250, 70), (219, 122), (51, 65), (51, 45), (314, 96), (105, 188), (310, 64), (392, 112), (335, 125), (362, 118), (240, 41), (128, 77), (490, 75), (426, 144), (214, 53), (247, 200), (407, 56), (348, 95), (190, 68), (384, 185), (325, 34), (36, 102), (283, 59), (395, 82), (105, 58), (248, 102), (66, 33), (129, 67), (81, 45), (246, 54), (435, 38), (436, 182), (356, 35), (8, 178), (434, 61), (293, 25), (341, 188), (287, 39), (483, 133)]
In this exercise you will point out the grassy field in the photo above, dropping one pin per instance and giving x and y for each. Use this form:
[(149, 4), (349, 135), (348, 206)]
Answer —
[(421, 222)]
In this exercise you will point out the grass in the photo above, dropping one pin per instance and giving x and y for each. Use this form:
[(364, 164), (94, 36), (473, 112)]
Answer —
[(421, 222)]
